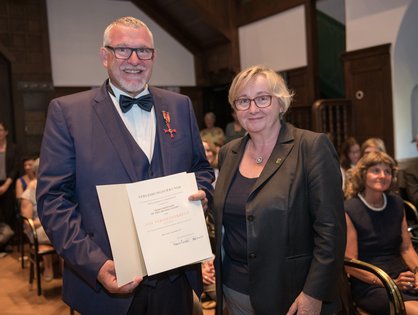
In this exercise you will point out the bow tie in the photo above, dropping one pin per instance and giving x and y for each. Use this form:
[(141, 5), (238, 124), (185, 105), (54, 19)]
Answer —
[(145, 102)]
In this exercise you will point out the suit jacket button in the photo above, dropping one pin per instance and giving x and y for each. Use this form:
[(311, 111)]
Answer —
[(252, 255), (250, 218)]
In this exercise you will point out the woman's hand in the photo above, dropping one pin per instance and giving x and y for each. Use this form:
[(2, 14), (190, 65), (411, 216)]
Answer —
[(305, 304), (406, 281), (107, 277), (208, 272)]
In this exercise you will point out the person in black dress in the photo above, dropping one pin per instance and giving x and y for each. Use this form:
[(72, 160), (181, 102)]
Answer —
[(377, 233)]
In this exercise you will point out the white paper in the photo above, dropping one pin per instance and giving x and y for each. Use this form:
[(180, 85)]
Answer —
[(171, 229), (121, 231), (152, 226)]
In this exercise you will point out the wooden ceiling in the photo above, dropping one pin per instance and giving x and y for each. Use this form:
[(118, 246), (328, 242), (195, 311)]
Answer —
[(198, 25), (209, 29)]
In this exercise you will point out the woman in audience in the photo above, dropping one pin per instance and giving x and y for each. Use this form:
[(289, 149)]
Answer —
[(349, 156), (280, 231), (372, 145), (28, 210), (378, 234), (23, 181), (350, 153), (211, 132), (211, 156), (233, 129)]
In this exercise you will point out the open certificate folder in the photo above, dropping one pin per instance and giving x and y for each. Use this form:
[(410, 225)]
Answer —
[(153, 227)]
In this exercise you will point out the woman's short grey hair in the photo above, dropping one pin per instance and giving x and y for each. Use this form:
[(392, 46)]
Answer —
[(276, 83)]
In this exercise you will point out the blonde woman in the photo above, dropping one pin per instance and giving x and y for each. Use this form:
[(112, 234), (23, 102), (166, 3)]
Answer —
[(278, 200)]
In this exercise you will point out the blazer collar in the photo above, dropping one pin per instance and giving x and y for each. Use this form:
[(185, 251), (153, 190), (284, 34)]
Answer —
[(281, 150), (161, 104), (107, 114)]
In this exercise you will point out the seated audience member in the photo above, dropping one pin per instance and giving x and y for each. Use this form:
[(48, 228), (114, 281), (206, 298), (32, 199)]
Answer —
[(233, 129), (208, 269), (349, 156), (28, 210), (377, 233), (372, 145), (211, 132), (411, 180), (211, 156), (23, 181)]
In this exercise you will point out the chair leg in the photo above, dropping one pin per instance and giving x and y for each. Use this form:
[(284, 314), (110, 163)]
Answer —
[(22, 251), (38, 274), (31, 271)]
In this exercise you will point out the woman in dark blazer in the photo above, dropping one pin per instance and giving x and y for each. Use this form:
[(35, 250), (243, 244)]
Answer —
[(280, 226), (9, 169)]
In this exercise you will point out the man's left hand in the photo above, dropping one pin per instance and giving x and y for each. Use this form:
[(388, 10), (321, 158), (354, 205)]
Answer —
[(200, 195)]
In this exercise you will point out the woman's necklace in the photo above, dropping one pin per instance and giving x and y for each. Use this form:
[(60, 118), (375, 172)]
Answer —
[(259, 159), (371, 207)]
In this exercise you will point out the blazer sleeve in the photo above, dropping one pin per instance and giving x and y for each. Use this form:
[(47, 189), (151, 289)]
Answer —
[(328, 220), (57, 201), (200, 165)]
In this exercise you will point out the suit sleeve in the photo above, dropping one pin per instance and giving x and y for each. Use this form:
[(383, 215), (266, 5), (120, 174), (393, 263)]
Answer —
[(201, 167), (57, 201), (327, 213)]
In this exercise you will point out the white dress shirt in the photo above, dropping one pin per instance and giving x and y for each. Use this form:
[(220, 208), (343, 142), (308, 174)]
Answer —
[(140, 123)]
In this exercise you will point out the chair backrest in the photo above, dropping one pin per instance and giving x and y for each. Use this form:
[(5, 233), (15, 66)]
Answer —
[(411, 213), (29, 230), (396, 303)]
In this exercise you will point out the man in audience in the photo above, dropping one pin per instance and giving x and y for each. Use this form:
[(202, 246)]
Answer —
[(411, 180), (103, 136)]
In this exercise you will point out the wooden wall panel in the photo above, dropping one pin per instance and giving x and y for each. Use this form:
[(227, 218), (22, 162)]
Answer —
[(24, 43), (367, 74)]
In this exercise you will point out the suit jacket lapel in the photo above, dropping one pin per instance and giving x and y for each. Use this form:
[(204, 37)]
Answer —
[(279, 154), (159, 106), (107, 114)]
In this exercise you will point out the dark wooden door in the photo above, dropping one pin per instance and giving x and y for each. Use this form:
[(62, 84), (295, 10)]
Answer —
[(6, 108), (368, 85)]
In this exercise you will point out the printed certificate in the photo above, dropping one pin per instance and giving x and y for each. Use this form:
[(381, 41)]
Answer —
[(168, 230)]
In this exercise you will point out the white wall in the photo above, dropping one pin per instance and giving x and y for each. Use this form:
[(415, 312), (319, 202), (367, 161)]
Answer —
[(333, 8), (375, 22), (278, 41), (76, 34)]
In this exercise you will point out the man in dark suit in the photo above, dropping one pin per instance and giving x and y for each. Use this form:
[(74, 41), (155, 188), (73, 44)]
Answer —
[(102, 137), (411, 180)]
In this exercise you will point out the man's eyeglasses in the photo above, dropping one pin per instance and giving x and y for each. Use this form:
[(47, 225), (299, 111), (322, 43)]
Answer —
[(261, 101), (126, 52)]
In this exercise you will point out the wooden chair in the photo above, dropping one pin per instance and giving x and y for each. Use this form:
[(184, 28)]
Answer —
[(397, 306), (411, 213), (36, 252)]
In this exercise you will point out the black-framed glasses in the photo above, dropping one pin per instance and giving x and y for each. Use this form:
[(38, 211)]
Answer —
[(243, 103), (125, 53)]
